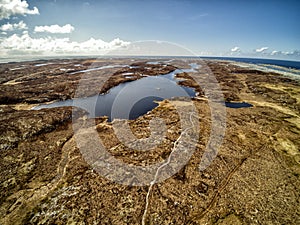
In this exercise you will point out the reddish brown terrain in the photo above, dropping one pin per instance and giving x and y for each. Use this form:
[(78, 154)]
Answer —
[(44, 179)]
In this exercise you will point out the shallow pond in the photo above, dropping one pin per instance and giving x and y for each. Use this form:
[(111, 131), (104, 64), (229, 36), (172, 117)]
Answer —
[(130, 100)]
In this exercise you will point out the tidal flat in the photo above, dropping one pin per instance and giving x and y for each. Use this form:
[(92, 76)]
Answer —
[(44, 178)]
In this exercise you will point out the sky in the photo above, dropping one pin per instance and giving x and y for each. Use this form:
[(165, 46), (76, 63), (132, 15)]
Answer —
[(261, 29)]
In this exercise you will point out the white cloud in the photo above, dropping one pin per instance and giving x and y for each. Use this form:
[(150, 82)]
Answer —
[(235, 49), (55, 29), (293, 53), (263, 49), (275, 52), (25, 44), (289, 53), (15, 26), (7, 27), (15, 7)]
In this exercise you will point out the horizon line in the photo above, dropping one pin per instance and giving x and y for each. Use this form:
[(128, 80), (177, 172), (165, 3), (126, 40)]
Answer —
[(29, 58)]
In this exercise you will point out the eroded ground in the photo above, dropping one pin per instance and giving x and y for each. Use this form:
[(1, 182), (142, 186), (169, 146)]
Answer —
[(45, 180)]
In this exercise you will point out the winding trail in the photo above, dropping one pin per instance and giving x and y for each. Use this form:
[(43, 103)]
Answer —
[(158, 170)]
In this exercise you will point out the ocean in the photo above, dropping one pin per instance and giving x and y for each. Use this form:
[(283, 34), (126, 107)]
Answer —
[(276, 62)]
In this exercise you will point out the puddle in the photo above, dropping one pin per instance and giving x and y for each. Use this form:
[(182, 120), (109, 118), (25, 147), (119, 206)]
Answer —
[(43, 64), (237, 105), (99, 68)]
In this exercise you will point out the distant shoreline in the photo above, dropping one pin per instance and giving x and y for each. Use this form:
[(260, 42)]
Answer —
[(279, 62)]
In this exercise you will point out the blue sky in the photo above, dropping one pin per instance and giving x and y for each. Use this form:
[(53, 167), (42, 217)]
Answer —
[(232, 28)]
